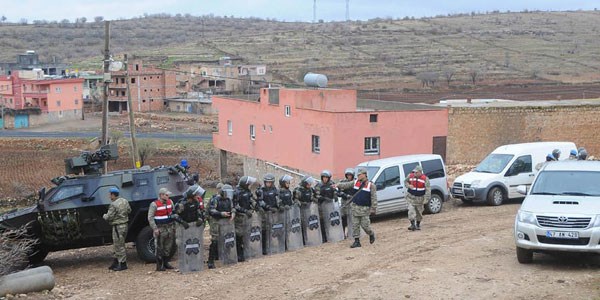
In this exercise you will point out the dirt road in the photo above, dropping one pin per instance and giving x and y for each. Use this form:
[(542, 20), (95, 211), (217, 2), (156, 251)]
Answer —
[(462, 253)]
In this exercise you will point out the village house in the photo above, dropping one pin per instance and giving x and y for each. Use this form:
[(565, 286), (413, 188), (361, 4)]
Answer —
[(307, 130), (149, 86), (30, 100), (30, 61)]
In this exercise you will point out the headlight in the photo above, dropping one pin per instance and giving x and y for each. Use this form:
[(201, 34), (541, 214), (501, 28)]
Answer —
[(475, 183), (597, 222), (526, 217)]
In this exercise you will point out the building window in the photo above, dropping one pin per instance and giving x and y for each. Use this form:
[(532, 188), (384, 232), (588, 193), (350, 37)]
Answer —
[(58, 103), (229, 127), (316, 144), (288, 110), (132, 80), (76, 101), (58, 90), (264, 128), (371, 145), (373, 118), (137, 68), (75, 88), (270, 128), (252, 132), (274, 96)]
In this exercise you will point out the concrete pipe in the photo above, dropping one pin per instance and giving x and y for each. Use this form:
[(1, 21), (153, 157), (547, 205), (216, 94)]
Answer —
[(28, 281)]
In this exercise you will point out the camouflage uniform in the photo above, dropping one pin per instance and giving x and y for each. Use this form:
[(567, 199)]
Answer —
[(416, 203), (166, 239), (118, 217), (360, 213)]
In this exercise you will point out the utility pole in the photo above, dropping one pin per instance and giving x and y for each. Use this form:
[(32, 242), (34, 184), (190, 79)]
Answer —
[(315, 11), (347, 10), (107, 81), (134, 151)]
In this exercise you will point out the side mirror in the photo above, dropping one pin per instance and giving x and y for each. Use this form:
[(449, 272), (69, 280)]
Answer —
[(379, 186), (522, 189)]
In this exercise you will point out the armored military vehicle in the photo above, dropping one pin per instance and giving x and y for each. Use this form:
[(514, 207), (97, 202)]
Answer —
[(69, 215)]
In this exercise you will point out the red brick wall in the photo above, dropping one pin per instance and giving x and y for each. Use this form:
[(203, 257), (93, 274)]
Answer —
[(475, 132)]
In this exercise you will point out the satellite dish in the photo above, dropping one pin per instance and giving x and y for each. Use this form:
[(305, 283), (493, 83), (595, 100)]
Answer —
[(115, 66)]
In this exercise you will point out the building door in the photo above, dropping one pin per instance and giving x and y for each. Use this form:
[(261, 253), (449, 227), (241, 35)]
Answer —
[(439, 146), (2, 123), (21, 121)]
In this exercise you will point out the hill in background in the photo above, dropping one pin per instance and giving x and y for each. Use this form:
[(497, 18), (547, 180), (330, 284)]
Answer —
[(449, 54)]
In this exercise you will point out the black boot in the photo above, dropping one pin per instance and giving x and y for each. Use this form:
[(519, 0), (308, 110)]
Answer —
[(412, 226), (159, 264), (120, 266), (212, 254), (114, 264), (372, 238), (166, 264), (239, 243), (356, 243), (418, 227)]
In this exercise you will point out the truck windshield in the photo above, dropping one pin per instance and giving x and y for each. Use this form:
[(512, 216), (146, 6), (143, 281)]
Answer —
[(571, 183), (494, 163)]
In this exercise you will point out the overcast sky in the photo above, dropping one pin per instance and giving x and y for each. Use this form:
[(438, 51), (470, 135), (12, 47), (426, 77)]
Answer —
[(287, 10)]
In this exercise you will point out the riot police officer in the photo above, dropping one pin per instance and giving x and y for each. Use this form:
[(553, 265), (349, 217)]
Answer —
[(325, 193), (191, 210), (268, 202), (305, 193), (285, 195), (220, 207), (346, 196), (245, 205)]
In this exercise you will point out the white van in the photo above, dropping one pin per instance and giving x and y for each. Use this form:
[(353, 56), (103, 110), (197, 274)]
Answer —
[(388, 174), (496, 178)]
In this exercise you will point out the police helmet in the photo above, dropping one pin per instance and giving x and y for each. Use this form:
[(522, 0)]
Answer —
[(284, 179), (114, 190), (184, 163), (246, 181), (549, 157), (326, 173), (227, 191), (556, 153), (307, 180), (195, 190), (349, 171), (582, 155), (219, 187), (269, 178), (573, 152)]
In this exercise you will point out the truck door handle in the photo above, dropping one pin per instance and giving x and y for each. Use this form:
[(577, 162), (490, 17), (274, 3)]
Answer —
[(400, 187), (531, 175)]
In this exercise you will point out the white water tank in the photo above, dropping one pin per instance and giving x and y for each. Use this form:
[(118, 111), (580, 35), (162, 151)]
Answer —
[(315, 80)]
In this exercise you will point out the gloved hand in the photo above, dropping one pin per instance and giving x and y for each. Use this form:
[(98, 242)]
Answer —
[(225, 214), (185, 224), (199, 223), (261, 203), (249, 213)]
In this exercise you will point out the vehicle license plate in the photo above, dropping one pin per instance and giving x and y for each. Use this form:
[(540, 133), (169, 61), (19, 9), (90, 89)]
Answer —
[(457, 191), (562, 234)]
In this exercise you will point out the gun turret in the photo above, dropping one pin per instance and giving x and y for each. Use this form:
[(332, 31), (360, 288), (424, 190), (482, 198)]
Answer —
[(91, 162)]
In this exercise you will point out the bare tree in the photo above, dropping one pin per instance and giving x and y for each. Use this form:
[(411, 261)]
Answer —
[(448, 74), (474, 73), (23, 21), (428, 78), (3, 19), (15, 247), (146, 149), (98, 19)]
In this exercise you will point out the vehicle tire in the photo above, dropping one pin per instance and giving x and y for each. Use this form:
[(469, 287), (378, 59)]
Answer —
[(524, 256), (145, 247), (495, 196), (435, 204), (38, 255)]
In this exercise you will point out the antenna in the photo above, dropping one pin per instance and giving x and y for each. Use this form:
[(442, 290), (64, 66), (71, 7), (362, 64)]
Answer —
[(315, 11), (347, 10)]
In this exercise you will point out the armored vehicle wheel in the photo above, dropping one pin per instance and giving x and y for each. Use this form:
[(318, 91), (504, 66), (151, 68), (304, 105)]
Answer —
[(145, 247), (38, 255), (435, 204)]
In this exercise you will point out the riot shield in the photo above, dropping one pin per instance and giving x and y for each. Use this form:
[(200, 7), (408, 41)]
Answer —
[(293, 229), (332, 221), (311, 227), (190, 248), (253, 237), (276, 232), (227, 248)]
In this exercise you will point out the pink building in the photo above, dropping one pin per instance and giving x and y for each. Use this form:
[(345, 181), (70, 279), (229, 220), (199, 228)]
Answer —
[(39, 101), (308, 130)]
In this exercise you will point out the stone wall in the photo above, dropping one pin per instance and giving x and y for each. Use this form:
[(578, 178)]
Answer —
[(258, 168), (473, 132)]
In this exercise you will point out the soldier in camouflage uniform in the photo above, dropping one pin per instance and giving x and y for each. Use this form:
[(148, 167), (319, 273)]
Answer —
[(118, 217), (245, 205), (419, 193), (161, 220), (220, 206), (364, 203), (346, 196)]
